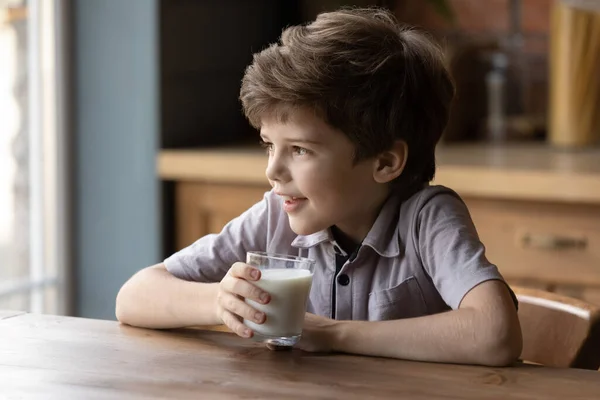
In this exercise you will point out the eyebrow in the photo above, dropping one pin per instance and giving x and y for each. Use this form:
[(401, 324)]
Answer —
[(292, 140)]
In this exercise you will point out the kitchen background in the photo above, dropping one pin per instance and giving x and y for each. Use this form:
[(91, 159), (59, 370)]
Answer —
[(121, 137)]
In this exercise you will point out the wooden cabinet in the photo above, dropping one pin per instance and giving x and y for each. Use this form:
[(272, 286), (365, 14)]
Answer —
[(552, 243), (204, 208), (550, 246)]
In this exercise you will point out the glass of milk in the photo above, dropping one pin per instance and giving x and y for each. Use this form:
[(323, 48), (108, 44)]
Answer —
[(288, 280)]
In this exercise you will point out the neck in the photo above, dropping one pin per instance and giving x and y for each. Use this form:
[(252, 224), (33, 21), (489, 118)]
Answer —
[(356, 230), (347, 243)]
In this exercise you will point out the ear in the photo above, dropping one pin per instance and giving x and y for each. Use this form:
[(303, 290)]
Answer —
[(390, 164)]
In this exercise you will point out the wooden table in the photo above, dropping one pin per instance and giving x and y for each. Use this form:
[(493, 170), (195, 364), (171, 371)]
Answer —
[(49, 357)]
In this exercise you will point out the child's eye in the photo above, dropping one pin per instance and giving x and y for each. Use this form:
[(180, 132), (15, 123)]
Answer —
[(300, 150), (267, 146)]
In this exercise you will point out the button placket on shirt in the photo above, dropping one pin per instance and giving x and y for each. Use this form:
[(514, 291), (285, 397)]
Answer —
[(344, 285)]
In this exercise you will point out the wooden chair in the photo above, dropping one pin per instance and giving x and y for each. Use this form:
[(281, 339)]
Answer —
[(558, 331)]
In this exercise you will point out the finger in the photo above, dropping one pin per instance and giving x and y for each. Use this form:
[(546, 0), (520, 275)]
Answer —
[(245, 289), (236, 325), (245, 271), (238, 307)]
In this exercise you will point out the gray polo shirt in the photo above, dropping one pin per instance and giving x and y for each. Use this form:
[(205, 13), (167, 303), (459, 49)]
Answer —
[(421, 257)]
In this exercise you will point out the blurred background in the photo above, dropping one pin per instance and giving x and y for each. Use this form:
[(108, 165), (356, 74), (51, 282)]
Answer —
[(122, 138)]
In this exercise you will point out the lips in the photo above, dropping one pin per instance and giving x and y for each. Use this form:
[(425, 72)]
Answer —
[(293, 198), (292, 203), (287, 197)]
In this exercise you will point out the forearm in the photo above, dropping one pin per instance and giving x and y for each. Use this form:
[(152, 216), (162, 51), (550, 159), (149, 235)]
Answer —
[(460, 336), (153, 298)]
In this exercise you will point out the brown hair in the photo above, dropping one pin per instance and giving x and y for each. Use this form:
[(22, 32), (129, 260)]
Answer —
[(364, 74)]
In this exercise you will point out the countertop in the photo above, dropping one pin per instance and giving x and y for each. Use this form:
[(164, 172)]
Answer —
[(530, 172)]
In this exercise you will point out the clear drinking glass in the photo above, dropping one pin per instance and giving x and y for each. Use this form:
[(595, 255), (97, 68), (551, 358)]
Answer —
[(288, 280)]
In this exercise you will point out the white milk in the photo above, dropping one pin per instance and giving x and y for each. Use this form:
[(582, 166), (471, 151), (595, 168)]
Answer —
[(289, 289)]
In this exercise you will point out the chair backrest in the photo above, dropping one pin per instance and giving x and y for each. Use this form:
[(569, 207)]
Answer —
[(558, 331)]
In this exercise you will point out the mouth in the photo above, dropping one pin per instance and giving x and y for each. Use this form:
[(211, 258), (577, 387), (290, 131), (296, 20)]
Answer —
[(292, 203), (287, 198), (291, 199)]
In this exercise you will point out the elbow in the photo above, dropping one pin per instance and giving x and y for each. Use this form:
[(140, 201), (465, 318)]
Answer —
[(502, 355), (133, 304), (121, 308), (503, 346)]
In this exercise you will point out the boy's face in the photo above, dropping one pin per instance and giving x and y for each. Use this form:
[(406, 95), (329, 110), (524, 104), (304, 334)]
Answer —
[(311, 167)]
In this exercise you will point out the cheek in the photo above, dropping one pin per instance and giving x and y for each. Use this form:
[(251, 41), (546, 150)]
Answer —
[(313, 174), (329, 182), (332, 192), (323, 182)]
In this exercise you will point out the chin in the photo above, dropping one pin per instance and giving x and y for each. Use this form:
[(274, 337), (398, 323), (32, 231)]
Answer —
[(305, 228)]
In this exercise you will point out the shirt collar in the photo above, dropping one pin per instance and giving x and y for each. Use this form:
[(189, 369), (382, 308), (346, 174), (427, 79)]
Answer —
[(307, 241), (383, 236)]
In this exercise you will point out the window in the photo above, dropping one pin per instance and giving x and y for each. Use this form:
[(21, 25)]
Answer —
[(34, 223)]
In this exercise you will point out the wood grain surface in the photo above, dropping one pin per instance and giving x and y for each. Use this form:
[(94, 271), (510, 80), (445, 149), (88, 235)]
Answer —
[(51, 357)]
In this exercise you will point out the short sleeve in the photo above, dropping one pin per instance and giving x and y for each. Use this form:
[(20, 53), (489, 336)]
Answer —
[(450, 249), (210, 257)]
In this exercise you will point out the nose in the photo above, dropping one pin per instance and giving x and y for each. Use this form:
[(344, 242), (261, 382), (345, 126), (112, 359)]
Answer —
[(276, 168)]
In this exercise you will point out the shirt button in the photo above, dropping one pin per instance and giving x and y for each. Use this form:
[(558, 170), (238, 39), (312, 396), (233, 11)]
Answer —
[(343, 279)]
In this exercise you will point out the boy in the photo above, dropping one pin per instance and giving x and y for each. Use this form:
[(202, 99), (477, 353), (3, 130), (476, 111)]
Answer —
[(350, 109)]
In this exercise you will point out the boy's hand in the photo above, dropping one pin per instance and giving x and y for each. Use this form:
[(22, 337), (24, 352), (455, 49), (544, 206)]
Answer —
[(234, 287), (318, 334)]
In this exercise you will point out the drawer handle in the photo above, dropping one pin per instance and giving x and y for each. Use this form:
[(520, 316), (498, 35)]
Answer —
[(553, 242)]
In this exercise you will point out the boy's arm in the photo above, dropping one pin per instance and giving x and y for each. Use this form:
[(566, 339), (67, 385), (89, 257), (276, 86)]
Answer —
[(154, 298), (484, 330), (182, 291)]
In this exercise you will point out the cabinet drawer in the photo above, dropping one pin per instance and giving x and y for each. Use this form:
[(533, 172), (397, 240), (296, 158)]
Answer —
[(553, 243)]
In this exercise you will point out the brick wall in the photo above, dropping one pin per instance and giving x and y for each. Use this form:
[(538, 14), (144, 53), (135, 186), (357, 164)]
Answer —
[(485, 16), (478, 26)]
